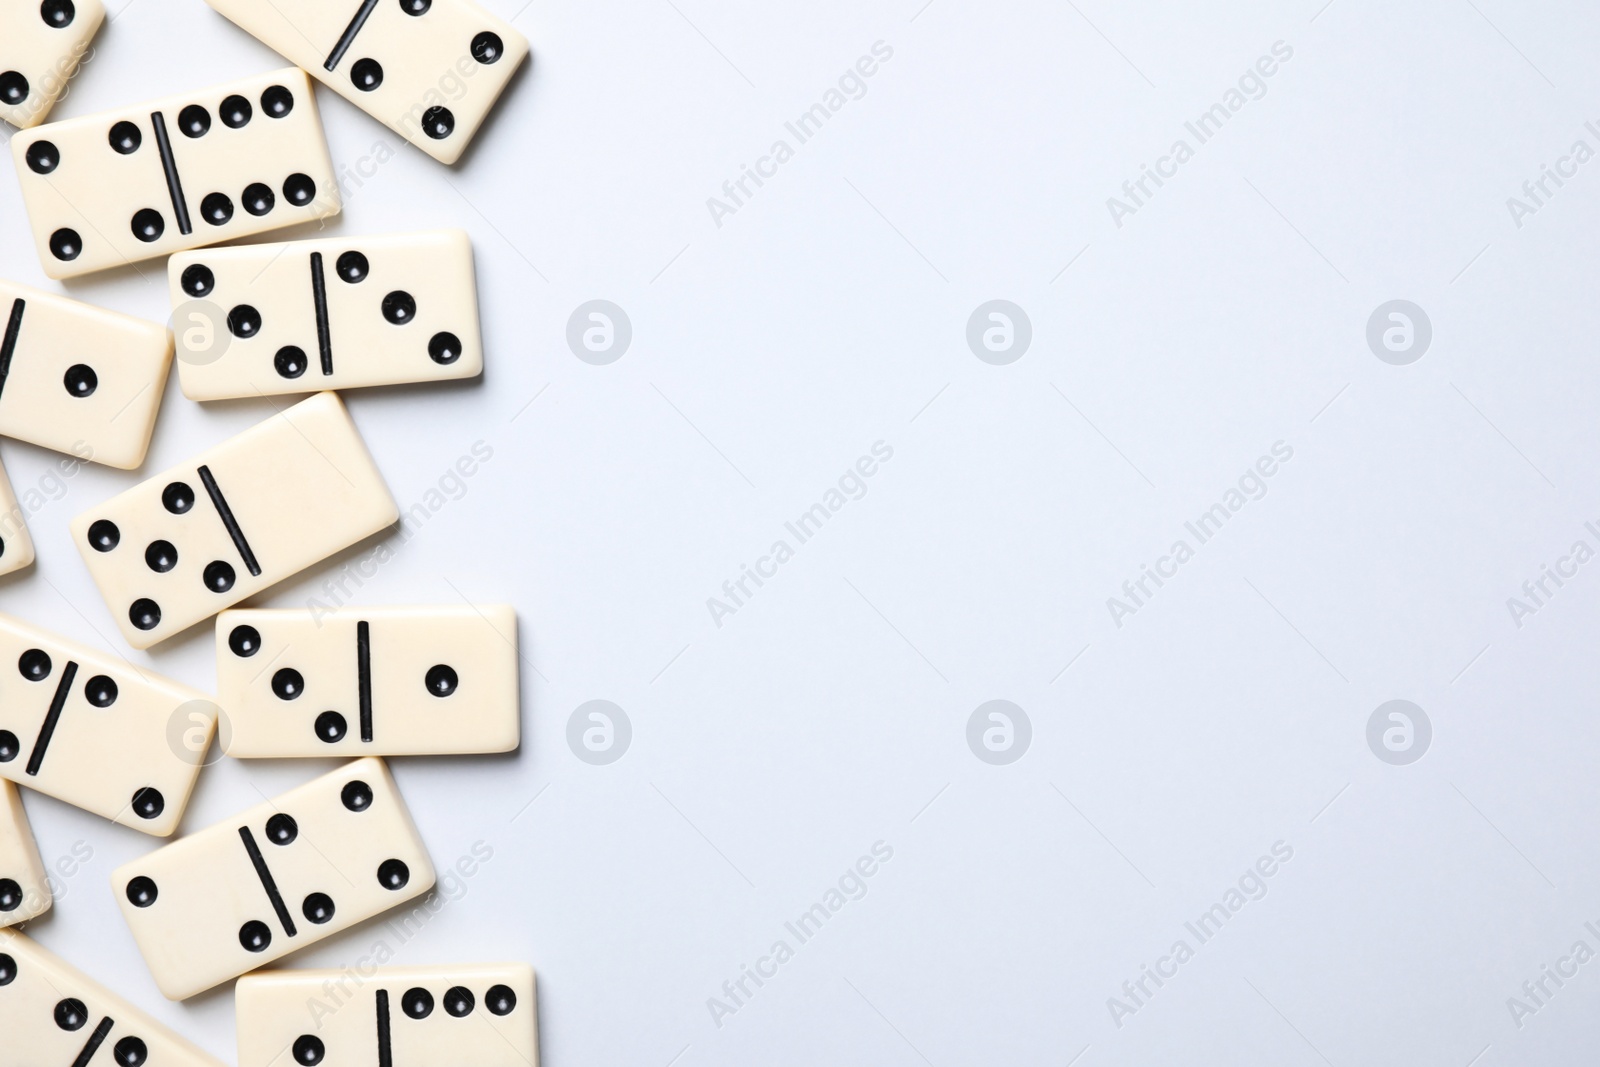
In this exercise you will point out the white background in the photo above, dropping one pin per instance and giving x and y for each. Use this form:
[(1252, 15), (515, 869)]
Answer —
[(830, 712)]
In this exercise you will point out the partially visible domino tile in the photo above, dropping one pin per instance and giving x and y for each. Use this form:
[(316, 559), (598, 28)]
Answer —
[(16, 546), (53, 1015), (182, 172), (328, 314), (97, 732), (430, 70), (79, 379), (484, 1014), (248, 513), (41, 44), (24, 886), (409, 681), (272, 880)]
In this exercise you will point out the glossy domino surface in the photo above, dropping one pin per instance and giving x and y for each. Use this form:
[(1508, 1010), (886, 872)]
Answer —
[(201, 536), (270, 881), (182, 172), (369, 681), (53, 1015), (482, 1014), (79, 379)]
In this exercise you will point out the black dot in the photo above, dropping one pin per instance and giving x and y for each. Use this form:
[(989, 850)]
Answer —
[(71, 1014), (255, 937), (330, 727), (148, 225), (104, 535), (65, 244), (308, 1050), (245, 641), (198, 280), (144, 613), (299, 189), (244, 321), (57, 14), (290, 362), (13, 88), (287, 683), (500, 1000), (216, 208), (34, 664), (177, 497), (148, 803), (10, 748), (282, 829), (366, 74), (352, 267), (161, 556), (356, 795), (458, 1001), (141, 891), (277, 102), (125, 138), (487, 48), (10, 895), (100, 691), (258, 199), (80, 380), (444, 348), (194, 121), (415, 7), (8, 969), (218, 576), (417, 1003), (393, 874), (318, 908), (438, 123), (441, 680), (235, 112), (43, 157), (130, 1052), (399, 307)]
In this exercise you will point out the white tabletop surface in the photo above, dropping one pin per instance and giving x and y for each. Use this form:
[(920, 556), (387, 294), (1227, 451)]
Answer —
[(1166, 744)]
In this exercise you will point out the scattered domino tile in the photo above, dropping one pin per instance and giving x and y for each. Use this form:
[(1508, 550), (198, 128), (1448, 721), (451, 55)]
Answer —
[(24, 886), (41, 43), (483, 1014), (329, 314), (430, 70), (287, 493), (406, 681), (79, 379), (16, 547), (97, 732), (185, 171), (272, 880), (54, 1015)]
